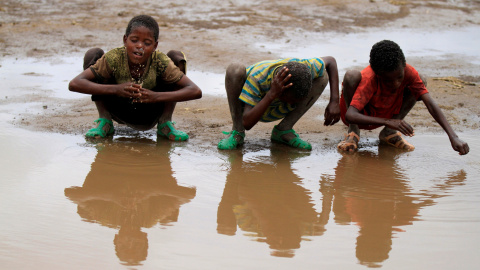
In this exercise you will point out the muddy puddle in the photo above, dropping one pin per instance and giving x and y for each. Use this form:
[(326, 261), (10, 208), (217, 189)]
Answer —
[(139, 202)]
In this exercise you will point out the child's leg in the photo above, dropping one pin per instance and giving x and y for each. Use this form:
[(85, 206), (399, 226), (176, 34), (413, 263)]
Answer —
[(407, 105), (165, 127), (393, 137), (350, 83), (287, 123), (104, 127), (91, 57), (180, 61), (235, 78)]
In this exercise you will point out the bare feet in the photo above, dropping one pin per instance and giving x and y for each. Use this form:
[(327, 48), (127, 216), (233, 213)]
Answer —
[(350, 144), (396, 140)]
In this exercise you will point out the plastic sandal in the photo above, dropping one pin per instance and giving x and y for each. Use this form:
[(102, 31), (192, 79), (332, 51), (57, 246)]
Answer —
[(295, 142), (173, 135), (98, 131), (401, 143), (231, 142), (349, 141)]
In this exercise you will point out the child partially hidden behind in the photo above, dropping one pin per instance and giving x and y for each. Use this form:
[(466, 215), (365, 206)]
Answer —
[(135, 84), (382, 95)]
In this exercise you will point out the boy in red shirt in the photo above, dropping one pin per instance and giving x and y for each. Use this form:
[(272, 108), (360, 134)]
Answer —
[(382, 95)]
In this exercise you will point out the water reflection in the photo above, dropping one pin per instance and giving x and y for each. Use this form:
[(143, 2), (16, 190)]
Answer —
[(263, 198), (129, 187), (370, 190)]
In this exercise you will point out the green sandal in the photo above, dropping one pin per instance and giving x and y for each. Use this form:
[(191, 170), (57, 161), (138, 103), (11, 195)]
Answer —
[(173, 135), (230, 142), (295, 142), (98, 131)]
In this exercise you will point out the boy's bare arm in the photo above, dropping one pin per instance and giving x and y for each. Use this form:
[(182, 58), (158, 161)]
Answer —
[(458, 145), (186, 89), (251, 115), (332, 111), (84, 83), (354, 116)]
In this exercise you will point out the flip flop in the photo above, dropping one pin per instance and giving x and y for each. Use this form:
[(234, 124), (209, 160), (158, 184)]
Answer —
[(173, 135), (349, 141), (401, 143), (295, 142), (231, 142), (98, 132)]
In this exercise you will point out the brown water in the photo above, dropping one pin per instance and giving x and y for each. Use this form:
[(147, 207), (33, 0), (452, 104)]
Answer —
[(133, 202), (137, 203)]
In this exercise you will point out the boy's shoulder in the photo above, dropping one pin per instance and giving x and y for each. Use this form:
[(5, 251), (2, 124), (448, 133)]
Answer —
[(410, 69), (115, 56), (160, 61), (118, 56), (160, 57)]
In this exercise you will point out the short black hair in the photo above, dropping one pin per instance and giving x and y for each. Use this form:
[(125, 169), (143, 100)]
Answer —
[(385, 56), (301, 79), (143, 20)]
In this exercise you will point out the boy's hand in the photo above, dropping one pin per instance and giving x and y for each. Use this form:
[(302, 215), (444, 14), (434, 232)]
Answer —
[(460, 146), (279, 83), (332, 114), (147, 96), (129, 90), (401, 126)]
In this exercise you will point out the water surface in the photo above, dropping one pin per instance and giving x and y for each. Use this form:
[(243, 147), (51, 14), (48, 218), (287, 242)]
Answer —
[(148, 203)]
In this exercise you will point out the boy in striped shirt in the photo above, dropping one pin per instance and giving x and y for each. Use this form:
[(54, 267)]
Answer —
[(283, 89)]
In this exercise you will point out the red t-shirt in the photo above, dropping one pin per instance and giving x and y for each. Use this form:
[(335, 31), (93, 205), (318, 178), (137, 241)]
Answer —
[(376, 100)]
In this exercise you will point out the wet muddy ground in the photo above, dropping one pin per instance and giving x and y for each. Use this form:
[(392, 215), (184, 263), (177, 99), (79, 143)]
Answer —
[(139, 202)]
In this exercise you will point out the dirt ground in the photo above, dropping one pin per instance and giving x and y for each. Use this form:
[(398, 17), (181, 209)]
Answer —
[(215, 33)]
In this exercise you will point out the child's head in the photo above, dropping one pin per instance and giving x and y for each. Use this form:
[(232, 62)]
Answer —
[(301, 80), (388, 62), (145, 21), (141, 39), (386, 56)]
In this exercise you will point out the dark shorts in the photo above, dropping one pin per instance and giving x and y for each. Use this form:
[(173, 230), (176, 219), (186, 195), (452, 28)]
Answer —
[(124, 111), (134, 115)]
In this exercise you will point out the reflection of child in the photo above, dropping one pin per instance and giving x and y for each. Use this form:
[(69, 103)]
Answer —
[(281, 89), (134, 84), (382, 95)]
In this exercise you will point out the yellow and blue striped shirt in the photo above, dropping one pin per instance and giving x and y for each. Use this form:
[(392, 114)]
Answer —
[(259, 79)]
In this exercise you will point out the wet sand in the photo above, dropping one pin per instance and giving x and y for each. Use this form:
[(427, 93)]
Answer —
[(136, 201)]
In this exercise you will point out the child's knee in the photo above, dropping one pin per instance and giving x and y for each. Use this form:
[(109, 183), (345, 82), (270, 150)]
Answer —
[(176, 56), (178, 59), (91, 57), (236, 71), (352, 78)]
